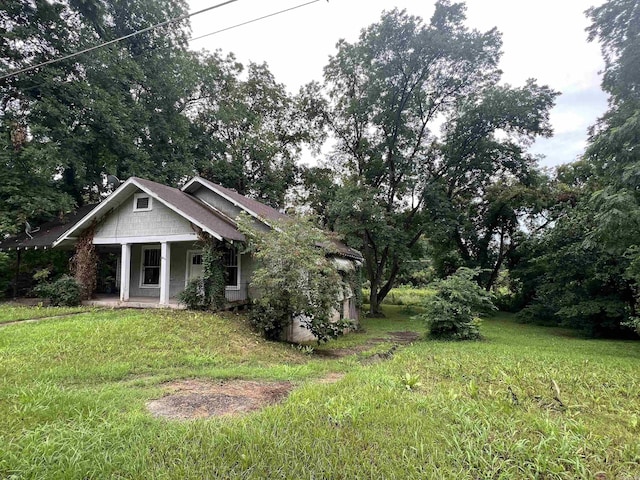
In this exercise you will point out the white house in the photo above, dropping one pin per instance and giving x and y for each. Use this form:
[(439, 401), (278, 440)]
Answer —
[(152, 231)]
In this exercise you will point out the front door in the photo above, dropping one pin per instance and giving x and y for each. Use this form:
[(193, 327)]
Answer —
[(194, 266)]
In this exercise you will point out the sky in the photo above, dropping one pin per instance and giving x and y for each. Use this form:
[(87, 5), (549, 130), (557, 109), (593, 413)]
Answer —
[(543, 39)]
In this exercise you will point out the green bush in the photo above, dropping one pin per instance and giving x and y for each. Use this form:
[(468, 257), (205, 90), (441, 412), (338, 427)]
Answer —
[(294, 278), (64, 292), (452, 312), (193, 296)]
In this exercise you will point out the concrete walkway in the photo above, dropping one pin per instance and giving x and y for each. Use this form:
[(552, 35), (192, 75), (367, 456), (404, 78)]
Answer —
[(33, 320)]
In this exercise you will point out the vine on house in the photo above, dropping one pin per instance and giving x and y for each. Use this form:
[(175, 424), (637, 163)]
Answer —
[(207, 292), (84, 263)]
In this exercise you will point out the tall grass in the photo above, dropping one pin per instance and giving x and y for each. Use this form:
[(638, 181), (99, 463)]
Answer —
[(528, 402), (403, 295)]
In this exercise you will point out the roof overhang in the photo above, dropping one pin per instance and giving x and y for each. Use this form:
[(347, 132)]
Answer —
[(116, 199), (197, 182)]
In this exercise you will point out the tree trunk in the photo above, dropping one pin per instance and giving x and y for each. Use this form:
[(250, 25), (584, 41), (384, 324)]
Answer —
[(374, 299)]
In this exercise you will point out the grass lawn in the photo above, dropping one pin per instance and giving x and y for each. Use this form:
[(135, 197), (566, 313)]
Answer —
[(73, 395)]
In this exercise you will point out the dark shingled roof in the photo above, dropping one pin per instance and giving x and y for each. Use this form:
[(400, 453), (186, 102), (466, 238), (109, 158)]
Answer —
[(193, 208), (48, 233), (181, 201), (345, 251), (263, 211), (268, 213)]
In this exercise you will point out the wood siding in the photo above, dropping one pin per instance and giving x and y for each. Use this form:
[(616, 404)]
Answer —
[(160, 220)]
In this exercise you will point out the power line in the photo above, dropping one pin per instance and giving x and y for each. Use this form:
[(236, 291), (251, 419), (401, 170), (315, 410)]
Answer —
[(254, 20), (111, 42), (190, 40)]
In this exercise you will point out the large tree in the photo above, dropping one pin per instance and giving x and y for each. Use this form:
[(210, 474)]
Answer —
[(484, 188), (387, 94), (584, 272), (254, 129), (114, 110)]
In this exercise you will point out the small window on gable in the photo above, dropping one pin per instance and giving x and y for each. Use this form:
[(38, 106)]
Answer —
[(141, 202)]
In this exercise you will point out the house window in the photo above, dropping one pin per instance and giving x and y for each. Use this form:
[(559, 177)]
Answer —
[(141, 202), (150, 275), (232, 268)]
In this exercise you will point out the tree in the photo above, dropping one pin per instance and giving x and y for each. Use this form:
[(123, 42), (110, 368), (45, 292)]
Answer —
[(386, 93), (484, 186), (255, 130), (574, 284), (583, 271), (115, 110)]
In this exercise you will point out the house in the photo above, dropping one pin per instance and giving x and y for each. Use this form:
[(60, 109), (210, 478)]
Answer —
[(151, 232)]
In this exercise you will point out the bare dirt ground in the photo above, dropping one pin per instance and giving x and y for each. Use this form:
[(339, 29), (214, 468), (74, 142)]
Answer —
[(190, 399), (400, 338)]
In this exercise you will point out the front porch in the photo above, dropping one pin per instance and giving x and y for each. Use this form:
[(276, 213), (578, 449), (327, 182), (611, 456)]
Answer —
[(114, 301), (152, 274)]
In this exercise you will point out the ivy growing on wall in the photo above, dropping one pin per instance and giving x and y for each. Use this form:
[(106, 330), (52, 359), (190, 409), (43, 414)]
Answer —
[(84, 263), (213, 273), (207, 292)]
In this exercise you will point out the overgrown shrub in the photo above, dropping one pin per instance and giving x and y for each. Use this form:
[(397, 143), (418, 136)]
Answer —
[(193, 296), (64, 292), (295, 279), (271, 318), (207, 292), (452, 312)]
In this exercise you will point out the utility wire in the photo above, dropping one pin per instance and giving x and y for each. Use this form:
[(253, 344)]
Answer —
[(111, 42), (191, 39), (254, 20)]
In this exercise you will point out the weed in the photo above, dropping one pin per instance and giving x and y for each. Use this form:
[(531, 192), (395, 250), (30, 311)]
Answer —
[(411, 381)]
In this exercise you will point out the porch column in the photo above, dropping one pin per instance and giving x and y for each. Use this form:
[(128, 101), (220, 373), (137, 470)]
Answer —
[(165, 273), (125, 271)]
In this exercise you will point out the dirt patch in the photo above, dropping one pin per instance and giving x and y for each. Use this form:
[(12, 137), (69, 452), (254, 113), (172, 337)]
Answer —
[(190, 399)]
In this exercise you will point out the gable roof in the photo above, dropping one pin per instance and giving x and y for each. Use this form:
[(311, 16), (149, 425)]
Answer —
[(185, 205), (252, 207), (48, 233), (190, 207)]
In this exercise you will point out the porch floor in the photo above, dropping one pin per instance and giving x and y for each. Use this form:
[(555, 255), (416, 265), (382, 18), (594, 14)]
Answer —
[(113, 301)]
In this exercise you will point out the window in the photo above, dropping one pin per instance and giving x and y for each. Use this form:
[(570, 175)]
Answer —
[(232, 268), (141, 202), (150, 275)]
